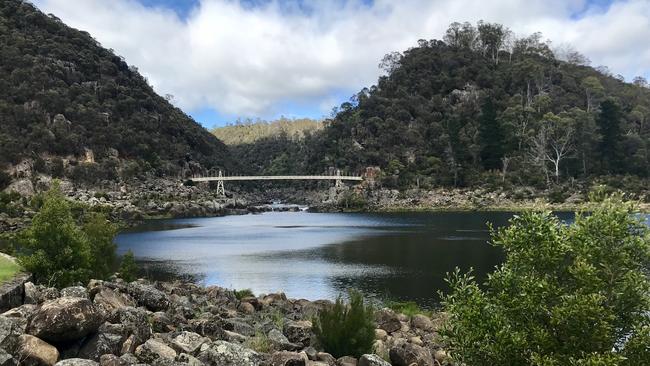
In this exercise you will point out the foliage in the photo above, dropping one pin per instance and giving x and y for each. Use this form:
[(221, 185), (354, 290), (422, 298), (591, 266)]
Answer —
[(352, 200), (128, 267), (247, 132), (240, 294), (408, 308), (260, 343), (346, 329), (7, 269), (62, 92), (59, 252), (100, 233), (482, 100), (572, 294)]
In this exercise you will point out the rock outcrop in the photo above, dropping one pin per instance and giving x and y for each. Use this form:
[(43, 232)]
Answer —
[(119, 324)]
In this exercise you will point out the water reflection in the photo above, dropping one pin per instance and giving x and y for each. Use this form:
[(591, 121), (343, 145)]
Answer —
[(401, 256)]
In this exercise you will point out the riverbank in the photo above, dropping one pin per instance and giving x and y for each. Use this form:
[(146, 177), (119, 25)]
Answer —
[(118, 323)]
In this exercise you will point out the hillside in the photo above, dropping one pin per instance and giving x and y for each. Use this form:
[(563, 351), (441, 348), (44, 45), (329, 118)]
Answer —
[(247, 132), (73, 108), (483, 107)]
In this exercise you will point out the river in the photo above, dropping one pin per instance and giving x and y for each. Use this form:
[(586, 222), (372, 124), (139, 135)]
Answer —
[(396, 256)]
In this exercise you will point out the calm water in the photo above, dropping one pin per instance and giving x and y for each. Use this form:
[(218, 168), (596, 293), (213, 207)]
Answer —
[(318, 255)]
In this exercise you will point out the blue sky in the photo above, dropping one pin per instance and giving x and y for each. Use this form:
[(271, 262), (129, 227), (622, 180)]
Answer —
[(228, 59)]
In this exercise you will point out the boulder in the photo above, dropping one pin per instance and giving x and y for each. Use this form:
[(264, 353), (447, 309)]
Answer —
[(36, 294), (76, 362), (154, 351), (280, 341), (65, 319), (9, 334), (33, 351), (408, 354), (190, 360), (285, 358), (6, 359), (111, 360), (161, 323), (298, 331), (75, 291), (381, 334), (188, 342), (240, 326), (422, 322), (326, 357), (346, 361), (135, 322), (108, 301), (221, 353), (148, 296), (372, 360), (387, 320), (101, 343)]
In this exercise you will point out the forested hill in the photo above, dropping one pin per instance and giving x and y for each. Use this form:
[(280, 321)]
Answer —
[(63, 95), (248, 131), (485, 106)]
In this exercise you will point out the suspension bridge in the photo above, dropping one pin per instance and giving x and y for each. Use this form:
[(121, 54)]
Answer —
[(220, 178)]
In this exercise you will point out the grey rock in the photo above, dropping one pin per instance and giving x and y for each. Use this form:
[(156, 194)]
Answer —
[(387, 320), (188, 342), (285, 358), (280, 341), (9, 334), (36, 294), (148, 296), (408, 353), (346, 361), (239, 326), (101, 343), (111, 360), (298, 331), (65, 319), (34, 351), (221, 353), (108, 301), (372, 360), (6, 359), (136, 322), (154, 350), (184, 358), (76, 362), (75, 291), (422, 322)]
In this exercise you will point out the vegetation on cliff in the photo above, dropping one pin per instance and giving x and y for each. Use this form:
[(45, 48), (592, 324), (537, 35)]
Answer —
[(574, 294), (62, 93), (483, 107)]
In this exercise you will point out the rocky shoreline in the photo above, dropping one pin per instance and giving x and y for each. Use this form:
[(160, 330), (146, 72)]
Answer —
[(113, 323)]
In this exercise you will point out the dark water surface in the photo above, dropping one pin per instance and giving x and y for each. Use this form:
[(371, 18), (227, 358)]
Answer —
[(401, 256)]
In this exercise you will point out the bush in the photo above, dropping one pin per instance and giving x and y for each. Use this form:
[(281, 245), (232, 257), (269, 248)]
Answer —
[(565, 295), (60, 253), (240, 294), (346, 329), (128, 268), (408, 308)]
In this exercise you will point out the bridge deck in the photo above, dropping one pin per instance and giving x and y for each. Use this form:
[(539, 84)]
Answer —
[(278, 177)]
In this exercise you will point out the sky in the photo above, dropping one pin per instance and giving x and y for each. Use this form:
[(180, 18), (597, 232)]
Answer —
[(227, 59)]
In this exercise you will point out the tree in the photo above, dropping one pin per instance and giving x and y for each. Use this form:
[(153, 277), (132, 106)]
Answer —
[(492, 37), (593, 89), (56, 251), (100, 233), (491, 136), (609, 126), (566, 294)]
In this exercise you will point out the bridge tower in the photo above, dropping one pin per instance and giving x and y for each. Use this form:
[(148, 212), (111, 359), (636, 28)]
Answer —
[(220, 189), (338, 181)]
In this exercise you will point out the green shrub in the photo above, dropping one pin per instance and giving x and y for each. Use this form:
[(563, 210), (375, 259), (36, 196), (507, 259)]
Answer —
[(346, 329), (240, 294), (128, 268), (408, 308), (565, 295), (59, 252), (55, 249)]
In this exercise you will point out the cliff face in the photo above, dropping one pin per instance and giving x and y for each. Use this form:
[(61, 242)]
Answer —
[(75, 109)]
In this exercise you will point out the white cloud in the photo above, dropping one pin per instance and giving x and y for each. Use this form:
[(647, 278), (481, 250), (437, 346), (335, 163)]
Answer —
[(245, 61)]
